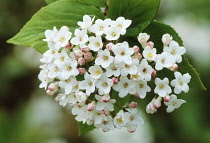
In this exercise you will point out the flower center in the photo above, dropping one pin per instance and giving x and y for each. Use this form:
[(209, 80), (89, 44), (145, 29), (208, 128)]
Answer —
[(97, 72), (181, 83), (62, 39), (119, 120), (90, 83), (80, 39), (141, 85), (104, 84), (145, 70), (125, 85), (122, 53), (101, 28), (119, 25), (173, 52), (68, 68), (149, 55), (161, 86), (113, 34), (105, 58), (97, 44)]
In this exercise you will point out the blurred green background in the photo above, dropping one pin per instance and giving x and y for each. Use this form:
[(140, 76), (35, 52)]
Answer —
[(27, 115)]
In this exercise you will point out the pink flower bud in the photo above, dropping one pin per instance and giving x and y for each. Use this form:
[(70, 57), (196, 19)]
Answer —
[(115, 80), (150, 107), (166, 39), (151, 44), (81, 61), (167, 98), (154, 73), (85, 49), (88, 56), (81, 70), (157, 102), (52, 89), (68, 46), (106, 98), (91, 106), (109, 46), (131, 128), (136, 49), (133, 105), (106, 112), (78, 53), (137, 95), (137, 56), (174, 67)]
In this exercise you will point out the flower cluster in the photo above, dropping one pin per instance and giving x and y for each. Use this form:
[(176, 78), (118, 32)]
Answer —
[(86, 68)]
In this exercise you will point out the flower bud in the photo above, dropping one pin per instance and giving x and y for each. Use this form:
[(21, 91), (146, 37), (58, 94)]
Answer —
[(142, 38), (137, 56), (150, 44), (78, 53), (115, 80), (166, 39), (174, 67), (88, 56), (154, 73), (53, 86), (68, 46), (150, 107), (85, 49), (91, 106), (167, 98), (106, 98), (81, 70), (157, 102), (106, 112), (133, 105), (136, 49), (81, 61), (137, 95), (109, 46), (131, 128)]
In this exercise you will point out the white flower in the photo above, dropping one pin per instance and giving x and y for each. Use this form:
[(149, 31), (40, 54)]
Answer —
[(104, 84), (87, 22), (166, 39), (95, 71), (142, 88), (104, 58), (54, 71), (99, 26), (150, 107), (122, 53), (43, 77), (95, 43), (174, 103), (98, 117), (145, 70), (124, 86), (143, 38), (80, 38), (106, 125), (79, 108), (81, 96), (65, 98), (149, 53), (164, 60), (162, 88), (68, 84), (88, 84), (62, 37), (122, 24), (130, 68), (100, 105), (50, 34), (60, 57), (112, 69), (181, 82), (175, 51), (119, 120), (48, 56), (69, 68), (112, 33)]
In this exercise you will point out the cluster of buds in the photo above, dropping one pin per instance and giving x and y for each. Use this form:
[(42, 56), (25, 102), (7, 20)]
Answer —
[(84, 71)]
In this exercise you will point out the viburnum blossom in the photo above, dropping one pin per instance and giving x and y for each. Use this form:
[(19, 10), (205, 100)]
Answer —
[(94, 74)]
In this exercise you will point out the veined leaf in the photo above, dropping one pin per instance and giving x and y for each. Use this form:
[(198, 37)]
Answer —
[(59, 13), (141, 12)]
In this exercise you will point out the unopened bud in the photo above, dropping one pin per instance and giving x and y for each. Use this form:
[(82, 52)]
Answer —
[(81, 70), (68, 46), (81, 61), (142, 38), (133, 105), (78, 53), (167, 98), (137, 56), (174, 67), (106, 98), (109, 46), (166, 39), (91, 106), (136, 49), (85, 49), (115, 80), (157, 102), (150, 107), (106, 112), (131, 128), (154, 73), (137, 95), (52, 89), (88, 56), (150, 44)]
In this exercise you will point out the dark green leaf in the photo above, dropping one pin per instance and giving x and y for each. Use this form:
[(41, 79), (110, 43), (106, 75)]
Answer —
[(84, 128), (156, 30), (141, 12), (50, 1), (97, 3), (60, 13)]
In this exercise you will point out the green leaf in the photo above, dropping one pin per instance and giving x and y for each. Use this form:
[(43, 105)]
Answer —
[(59, 13), (97, 3), (50, 1), (84, 128), (156, 30), (141, 12)]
